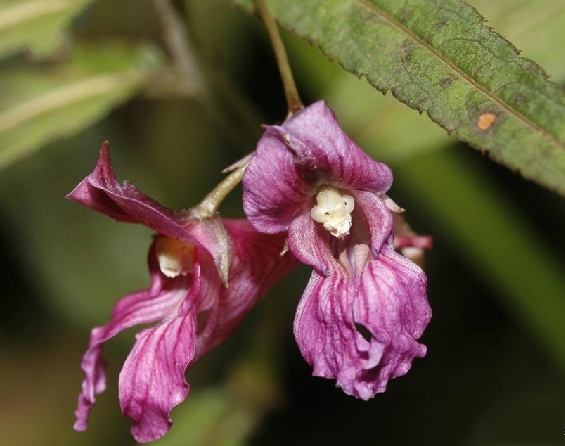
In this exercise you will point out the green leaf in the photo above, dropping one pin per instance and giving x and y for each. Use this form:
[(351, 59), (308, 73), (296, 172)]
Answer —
[(35, 24), (40, 105), (537, 27), (439, 57), (379, 121)]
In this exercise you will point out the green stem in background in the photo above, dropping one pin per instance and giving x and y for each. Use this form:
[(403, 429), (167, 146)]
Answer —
[(188, 79), (290, 90), (179, 45)]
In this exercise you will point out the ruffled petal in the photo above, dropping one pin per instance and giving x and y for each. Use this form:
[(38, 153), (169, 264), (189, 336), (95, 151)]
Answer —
[(152, 379), (138, 308), (319, 324), (102, 192), (292, 160), (362, 331)]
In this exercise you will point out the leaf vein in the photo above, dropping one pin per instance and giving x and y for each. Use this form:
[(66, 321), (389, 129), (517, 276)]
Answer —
[(384, 16)]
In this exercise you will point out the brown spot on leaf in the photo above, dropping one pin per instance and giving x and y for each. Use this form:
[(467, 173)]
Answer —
[(404, 15), (485, 121), (439, 25), (406, 51), (446, 82)]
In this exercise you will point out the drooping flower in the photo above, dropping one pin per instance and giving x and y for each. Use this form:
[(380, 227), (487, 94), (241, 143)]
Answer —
[(191, 261), (365, 305)]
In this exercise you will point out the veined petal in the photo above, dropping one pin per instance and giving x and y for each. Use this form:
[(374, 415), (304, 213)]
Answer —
[(319, 324), (152, 379), (309, 242), (102, 192), (272, 190), (138, 308), (257, 264), (377, 216), (292, 160), (362, 330), (320, 143)]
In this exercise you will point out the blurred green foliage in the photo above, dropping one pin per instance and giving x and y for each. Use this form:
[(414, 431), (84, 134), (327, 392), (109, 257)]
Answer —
[(495, 371), (34, 25)]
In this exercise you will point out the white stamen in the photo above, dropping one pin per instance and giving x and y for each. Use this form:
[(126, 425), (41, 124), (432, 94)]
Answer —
[(174, 256), (333, 210)]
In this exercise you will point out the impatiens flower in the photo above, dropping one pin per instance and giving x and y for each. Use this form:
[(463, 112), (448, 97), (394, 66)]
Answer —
[(365, 305), (191, 261)]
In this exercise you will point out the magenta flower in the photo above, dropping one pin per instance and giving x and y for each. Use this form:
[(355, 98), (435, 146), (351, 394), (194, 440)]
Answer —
[(365, 305), (190, 261)]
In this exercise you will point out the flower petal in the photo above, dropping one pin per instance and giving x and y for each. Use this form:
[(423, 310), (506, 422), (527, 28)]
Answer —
[(362, 330), (152, 379), (309, 242), (272, 191), (377, 216), (212, 235), (102, 192), (321, 144), (257, 264), (137, 308), (294, 159)]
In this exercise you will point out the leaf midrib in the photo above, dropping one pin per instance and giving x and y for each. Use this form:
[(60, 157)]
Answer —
[(374, 9)]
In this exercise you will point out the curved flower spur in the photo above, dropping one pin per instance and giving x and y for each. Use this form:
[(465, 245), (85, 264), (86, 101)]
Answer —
[(191, 260), (365, 305)]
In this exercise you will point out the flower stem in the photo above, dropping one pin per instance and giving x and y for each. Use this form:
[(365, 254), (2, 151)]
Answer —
[(290, 90), (211, 202)]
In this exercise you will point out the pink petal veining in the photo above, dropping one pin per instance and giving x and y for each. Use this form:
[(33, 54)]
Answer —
[(194, 313)]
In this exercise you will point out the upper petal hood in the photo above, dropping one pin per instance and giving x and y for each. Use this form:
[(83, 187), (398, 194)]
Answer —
[(292, 160), (102, 192)]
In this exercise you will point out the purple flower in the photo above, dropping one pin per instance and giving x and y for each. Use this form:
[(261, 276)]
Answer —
[(365, 305), (190, 262)]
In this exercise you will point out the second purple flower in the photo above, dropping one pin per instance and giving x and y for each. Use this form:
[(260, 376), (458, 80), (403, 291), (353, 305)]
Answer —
[(365, 305)]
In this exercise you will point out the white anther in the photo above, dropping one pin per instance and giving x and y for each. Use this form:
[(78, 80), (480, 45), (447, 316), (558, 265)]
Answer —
[(333, 209), (174, 256)]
